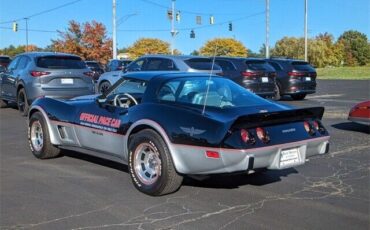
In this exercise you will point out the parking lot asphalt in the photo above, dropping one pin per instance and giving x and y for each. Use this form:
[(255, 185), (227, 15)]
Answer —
[(82, 192)]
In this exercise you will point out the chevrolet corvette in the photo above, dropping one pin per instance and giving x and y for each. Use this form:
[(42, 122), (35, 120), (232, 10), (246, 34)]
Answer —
[(167, 125)]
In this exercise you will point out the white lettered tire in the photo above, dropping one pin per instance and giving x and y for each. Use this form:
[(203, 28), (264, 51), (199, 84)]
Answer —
[(39, 138), (150, 164)]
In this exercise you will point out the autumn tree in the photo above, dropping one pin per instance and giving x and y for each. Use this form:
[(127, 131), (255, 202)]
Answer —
[(224, 47), (322, 51), (148, 46), (88, 40), (291, 47), (356, 47)]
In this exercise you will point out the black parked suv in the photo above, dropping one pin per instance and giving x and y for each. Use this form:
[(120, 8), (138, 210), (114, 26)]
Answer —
[(96, 68), (253, 74), (296, 78), (4, 60)]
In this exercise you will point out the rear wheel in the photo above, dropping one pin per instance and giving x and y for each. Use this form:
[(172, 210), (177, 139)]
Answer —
[(150, 164), (3, 103), (39, 138), (298, 96), (277, 95), (22, 102), (104, 86)]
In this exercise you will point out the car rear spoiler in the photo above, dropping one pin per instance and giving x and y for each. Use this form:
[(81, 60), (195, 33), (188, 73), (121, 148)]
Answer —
[(285, 116)]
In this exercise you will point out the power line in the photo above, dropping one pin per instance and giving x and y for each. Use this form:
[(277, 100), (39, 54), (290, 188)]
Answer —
[(42, 12), (187, 11)]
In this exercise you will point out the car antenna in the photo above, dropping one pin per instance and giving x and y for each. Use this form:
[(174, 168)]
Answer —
[(209, 80)]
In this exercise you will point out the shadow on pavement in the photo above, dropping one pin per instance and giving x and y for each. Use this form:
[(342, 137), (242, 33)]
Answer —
[(232, 181), (351, 126)]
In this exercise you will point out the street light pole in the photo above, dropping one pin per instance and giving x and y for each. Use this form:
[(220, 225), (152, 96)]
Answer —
[(305, 30), (114, 31), (173, 31), (267, 44), (26, 33)]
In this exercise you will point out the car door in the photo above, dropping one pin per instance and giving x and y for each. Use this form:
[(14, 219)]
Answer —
[(8, 80), (100, 128)]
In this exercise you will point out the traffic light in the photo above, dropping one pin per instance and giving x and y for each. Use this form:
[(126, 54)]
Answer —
[(169, 14), (192, 34), (198, 20), (230, 26), (15, 26), (178, 16), (211, 20)]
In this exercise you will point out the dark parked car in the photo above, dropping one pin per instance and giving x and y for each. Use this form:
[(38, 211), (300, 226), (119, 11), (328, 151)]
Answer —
[(166, 125), (4, 60), (96, 68), (254, 74), (44, 74), (296, 78), (117, 64)]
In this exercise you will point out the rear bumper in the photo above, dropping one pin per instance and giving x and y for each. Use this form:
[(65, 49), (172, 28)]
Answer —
[(261, 89), (360, 120), (299, 87), (192, 159), (37, 91)]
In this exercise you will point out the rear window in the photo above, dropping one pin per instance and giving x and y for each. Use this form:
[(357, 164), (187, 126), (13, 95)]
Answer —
[(93, 64), (202, 64), (303, 66), (258, 65), (60, 62), (5, 60)]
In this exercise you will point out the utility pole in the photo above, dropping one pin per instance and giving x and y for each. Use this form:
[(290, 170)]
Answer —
[(173, 31), (305, 30), (267, 44), (26, 33), (114, 31)]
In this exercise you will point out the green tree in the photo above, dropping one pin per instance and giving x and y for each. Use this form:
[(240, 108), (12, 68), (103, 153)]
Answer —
[(13, 51), (290, 47), (356, 47), (148, 46), (322, 51), (224, 47)]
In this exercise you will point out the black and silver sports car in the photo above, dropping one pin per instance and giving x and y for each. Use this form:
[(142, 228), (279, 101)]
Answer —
[(166, 125)]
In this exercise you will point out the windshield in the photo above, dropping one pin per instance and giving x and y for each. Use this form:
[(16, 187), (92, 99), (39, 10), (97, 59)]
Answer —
[(130, 86), (222, 93), (61, 62)]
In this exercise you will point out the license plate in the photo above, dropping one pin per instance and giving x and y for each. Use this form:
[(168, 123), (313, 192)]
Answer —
[(67, 80), (308, 78), (289, 157), (265, 79)]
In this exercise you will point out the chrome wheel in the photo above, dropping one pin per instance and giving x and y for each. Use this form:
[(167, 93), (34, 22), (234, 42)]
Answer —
[(147, 163), (37, 136)]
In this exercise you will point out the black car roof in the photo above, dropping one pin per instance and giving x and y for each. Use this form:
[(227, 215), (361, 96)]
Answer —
[(285, 60), (162, 75)]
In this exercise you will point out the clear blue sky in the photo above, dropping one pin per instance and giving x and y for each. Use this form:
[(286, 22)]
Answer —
[(333, 16)]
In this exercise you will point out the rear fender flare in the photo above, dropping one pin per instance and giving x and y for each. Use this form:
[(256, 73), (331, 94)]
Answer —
[(158, 128)]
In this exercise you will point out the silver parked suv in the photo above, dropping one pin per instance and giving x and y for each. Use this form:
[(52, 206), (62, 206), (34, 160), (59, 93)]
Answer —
[(44, 74)]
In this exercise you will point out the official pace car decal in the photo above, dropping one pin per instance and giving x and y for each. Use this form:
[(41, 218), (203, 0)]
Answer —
[(100, 122)]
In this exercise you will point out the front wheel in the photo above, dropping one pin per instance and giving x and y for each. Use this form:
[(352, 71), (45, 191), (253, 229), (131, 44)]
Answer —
[(104, 86), (298, 96), (39, 138), (150, 164)]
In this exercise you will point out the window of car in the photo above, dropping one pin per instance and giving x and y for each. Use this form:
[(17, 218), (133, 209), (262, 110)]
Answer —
[(13, 64), (131, 86), (160, 64), (302, 66), (136, 65), (60, 62), (258, 65), (226, 65), (202, 64), (23, 62), (215, 92), (276, 66)]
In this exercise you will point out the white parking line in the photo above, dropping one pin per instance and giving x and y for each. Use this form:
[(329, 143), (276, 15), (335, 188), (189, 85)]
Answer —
[(325, 96)]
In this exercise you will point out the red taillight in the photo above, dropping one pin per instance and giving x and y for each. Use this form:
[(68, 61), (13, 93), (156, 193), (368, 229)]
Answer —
[(39, 73), (247, 137), (316, 125), (296, 74), (212, 154), (262, 135), (308, 128), (249, 74), (89, 74), (313, 74)]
